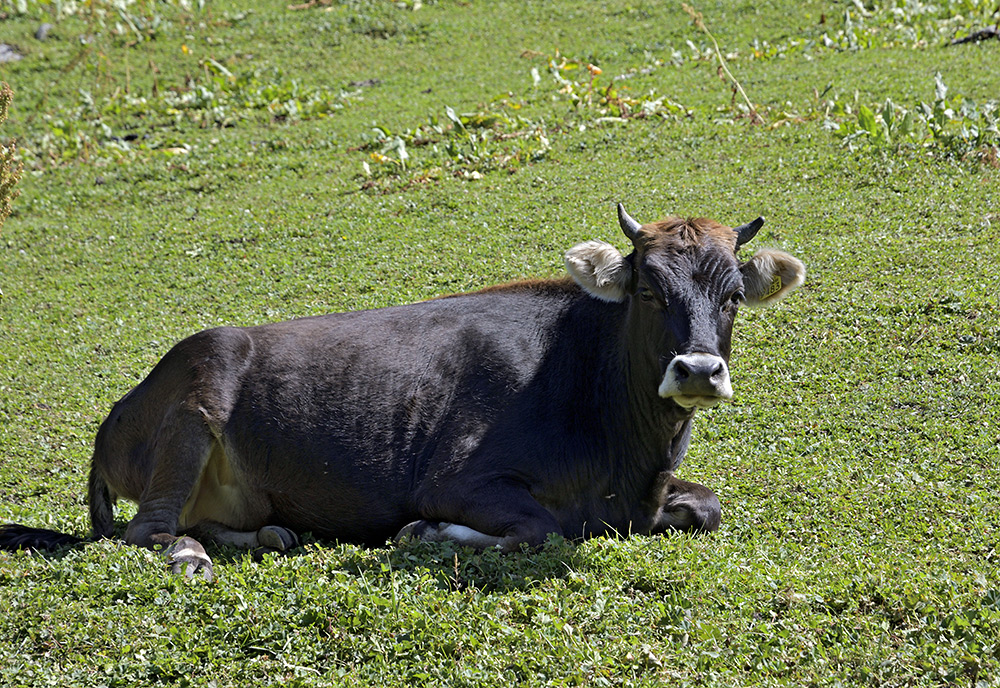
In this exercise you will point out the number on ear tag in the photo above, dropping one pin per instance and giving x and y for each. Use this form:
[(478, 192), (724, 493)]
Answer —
[(775, 286)]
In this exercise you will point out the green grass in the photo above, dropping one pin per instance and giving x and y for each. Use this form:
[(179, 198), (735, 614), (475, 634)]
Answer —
[(857, 466)]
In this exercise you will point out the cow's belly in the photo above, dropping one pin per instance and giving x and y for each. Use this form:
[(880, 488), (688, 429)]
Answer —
[(341, 513), (306, 487)]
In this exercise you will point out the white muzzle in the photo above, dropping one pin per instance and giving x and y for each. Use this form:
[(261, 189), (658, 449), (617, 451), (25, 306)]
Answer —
[(697, 381)]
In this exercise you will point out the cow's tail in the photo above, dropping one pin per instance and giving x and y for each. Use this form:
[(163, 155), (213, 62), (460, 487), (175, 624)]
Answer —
[(14, 536), (102, 501)]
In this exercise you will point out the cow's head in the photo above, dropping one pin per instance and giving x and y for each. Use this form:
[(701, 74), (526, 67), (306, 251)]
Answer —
[(683, 284)]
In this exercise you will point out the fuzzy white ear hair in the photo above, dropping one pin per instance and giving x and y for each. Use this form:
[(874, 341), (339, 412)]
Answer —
[(770, 276), (600, 269)]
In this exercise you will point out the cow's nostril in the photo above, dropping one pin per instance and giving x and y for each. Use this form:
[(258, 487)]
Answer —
[(697, 375), (697, 365)]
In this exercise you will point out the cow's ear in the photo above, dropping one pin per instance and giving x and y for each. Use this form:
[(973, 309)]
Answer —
[(600, 269), (770, 276)]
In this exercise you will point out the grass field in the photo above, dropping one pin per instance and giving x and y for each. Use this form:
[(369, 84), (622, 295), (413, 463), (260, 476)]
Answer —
[(191, 165)]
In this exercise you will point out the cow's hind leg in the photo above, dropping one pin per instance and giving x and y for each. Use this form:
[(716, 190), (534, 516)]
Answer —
[(272, 537), (179, 452), (689, 507), (156, 444)]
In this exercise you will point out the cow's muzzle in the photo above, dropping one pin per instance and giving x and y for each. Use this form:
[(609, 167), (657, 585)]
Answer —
[(697, 380)]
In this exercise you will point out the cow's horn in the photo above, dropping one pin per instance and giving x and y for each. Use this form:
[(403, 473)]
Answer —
[(629, 226), (745, 233)]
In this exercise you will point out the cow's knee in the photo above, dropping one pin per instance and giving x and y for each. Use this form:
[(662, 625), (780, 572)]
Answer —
[(690, 507), (706, 513)]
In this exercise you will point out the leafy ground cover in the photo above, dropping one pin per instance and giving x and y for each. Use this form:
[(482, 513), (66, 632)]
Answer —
[(194, 164)]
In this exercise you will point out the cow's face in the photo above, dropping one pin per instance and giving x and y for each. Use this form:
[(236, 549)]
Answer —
[(684, 284)]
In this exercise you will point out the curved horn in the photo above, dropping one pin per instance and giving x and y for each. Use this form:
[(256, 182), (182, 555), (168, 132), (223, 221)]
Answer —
[(629, 226), (745, 233)]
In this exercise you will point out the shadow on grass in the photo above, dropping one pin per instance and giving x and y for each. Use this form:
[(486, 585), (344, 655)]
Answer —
[(449, 566), (452, 567), (457, 568)]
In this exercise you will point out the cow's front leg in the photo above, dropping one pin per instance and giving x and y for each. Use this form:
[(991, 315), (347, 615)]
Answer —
[(493, 517), (272, 537), (688, 507), (438, 531), (186, 556)]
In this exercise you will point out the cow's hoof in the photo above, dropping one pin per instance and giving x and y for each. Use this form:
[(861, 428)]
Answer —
[(187, 557), (416, 530), (276, 537)]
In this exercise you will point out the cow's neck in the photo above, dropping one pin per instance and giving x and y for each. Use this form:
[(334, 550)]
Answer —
[(655, 429)]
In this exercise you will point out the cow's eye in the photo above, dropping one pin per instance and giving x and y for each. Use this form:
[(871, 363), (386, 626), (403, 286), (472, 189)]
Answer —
[(646, 295), (735, 299)]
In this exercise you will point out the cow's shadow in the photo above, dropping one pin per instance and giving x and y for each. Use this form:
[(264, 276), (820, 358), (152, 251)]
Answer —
[(446, 565), (443, 565), (458, 568)]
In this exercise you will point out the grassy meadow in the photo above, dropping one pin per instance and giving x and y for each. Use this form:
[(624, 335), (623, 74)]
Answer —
[(193, 164)]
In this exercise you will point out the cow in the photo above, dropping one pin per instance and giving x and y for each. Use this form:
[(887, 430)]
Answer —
[(492, 419)]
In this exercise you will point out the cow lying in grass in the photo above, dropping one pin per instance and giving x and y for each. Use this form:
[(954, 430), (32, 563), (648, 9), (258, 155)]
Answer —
[(492, 419)]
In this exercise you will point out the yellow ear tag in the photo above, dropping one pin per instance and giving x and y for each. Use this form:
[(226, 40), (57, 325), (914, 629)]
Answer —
[(775, 286)]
